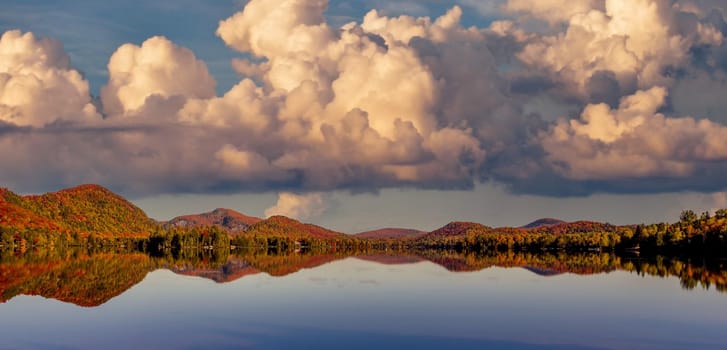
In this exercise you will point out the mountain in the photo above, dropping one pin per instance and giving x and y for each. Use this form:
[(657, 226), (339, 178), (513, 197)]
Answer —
[(227, 219), (542, 226), (282, 226), (458, 229), (93, 210), (394, 233), (82, 209), (545, 222)]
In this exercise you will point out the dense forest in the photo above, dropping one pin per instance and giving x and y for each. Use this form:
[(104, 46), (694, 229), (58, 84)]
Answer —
[(692, 234)]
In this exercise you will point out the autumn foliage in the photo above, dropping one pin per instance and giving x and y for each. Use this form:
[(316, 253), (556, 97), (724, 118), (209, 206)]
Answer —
[(91, 215), (285, 227), (71, 214)]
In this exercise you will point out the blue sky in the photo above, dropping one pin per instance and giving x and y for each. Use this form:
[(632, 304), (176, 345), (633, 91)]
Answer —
[(506, 122), (92, 30)]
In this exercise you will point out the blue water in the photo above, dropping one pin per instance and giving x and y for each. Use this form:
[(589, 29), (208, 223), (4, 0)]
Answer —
[(357, 304)]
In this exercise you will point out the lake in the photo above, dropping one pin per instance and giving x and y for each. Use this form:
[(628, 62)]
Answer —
[(335, 301)]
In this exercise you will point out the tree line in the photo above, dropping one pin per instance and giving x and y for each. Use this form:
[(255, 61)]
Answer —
[(693, 234)]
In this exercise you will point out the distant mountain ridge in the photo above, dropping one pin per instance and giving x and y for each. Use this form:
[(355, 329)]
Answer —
[(545, 222), (92, 209), (227, 219), (390, 233)]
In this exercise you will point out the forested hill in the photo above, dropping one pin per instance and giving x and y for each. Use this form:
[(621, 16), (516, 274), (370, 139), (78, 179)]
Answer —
[(287, 227), (226, 219), (462, 229), (86, 209)]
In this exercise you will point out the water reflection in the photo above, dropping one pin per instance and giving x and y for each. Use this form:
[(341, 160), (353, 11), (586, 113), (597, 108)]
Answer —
[(92, 278), (76, 277)]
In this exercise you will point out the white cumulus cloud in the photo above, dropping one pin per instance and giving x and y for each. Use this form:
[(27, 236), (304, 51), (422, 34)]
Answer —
[(633, 141), (637, 42), (156, 68), (38, 85), (297, 206)]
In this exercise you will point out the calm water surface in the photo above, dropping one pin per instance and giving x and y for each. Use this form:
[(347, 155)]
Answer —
[(354, 303)]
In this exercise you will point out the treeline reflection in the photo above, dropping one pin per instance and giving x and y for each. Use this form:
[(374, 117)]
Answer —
[(92, 277)]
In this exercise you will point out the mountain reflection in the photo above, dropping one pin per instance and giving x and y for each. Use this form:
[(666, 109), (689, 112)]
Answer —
[(74, 277), (92, 278)]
